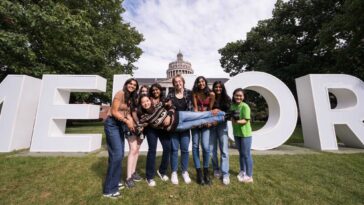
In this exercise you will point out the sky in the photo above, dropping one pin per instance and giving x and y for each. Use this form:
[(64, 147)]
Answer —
[(197, 28)]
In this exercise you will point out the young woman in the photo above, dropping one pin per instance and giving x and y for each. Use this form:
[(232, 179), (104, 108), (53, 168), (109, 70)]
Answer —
[(243, 135), (203, 100), (119, 119), (164, 116), (219, 134), (153, 134), (135, 139), (144, 90), (182, 100)]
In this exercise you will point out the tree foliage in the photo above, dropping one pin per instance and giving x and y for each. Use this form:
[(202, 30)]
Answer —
[(302, 37), (66, 37)]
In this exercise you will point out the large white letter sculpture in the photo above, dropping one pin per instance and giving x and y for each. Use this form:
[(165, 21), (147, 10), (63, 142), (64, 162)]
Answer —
[(54, 110), (319, 120), (281, 105), (19, 96)]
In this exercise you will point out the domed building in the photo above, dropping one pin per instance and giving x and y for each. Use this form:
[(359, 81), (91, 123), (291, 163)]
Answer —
[(179, 67)]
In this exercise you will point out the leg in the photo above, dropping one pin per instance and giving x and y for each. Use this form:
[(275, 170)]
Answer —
[(166, 144), (133, 155), (188, 120), (175, 139), (115, 146), (196, 133), (205, 143), (152, 147), (213, 147), (239, 146), (224, 148), (247, 157), (185, 142)]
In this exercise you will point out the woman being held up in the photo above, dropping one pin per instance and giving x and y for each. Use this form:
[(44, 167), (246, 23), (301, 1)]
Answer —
[(243, 135), (164, 116), (203, 100), (219, 134), (119, 119)]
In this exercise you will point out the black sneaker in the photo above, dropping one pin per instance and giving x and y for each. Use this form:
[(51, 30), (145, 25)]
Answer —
[(113, 195), (130, 183), (136, 177)]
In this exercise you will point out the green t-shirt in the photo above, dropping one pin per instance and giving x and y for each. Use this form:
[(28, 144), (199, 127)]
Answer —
[(238, 129)]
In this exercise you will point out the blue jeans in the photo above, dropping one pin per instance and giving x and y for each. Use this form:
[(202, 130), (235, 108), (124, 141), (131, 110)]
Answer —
[(202, 134), (180, 139), (219, 133), (152, 139), (115, 146), (245, 158), (188, 119)]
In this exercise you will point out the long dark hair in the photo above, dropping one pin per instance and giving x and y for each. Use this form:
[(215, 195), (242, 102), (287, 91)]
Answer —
[(130, 97), (235, 91), (224, 99), (195, 88), (160, 88)]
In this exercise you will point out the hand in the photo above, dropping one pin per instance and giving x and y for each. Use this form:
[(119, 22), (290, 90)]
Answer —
[(130, 125), (214, 123), (168, 103), (167, 121)]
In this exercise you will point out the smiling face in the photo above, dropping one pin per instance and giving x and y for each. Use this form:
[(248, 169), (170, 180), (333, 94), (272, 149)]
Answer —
[(145, 102), (178, 83), (144, 91), (131, 86), (218, 89), (201, 84), (238, 97), (156, 93)]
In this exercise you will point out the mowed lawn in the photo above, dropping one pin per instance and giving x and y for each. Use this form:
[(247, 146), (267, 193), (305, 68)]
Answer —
[(323, 178)]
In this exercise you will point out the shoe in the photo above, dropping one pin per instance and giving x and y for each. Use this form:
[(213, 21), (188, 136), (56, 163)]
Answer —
[(130, 183), (121, 185), (174, 178), (186, 177), (151, 182), (241, 176), (113, 195), (199, 179), (206, 176), (162, 176), (136, 177), (247, 179), (217, 174), (226, 180)]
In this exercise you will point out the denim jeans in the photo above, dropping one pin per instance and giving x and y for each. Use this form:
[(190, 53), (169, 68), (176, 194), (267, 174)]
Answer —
[(180, 140), (152, 139), (219, 134), (115, 146), (188, 120), (245, 158), (203, 135)]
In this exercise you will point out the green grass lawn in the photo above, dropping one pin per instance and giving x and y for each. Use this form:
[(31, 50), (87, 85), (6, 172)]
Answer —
[(278, 179)]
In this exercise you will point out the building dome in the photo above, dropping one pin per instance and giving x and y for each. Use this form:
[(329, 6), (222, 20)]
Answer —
[(179, 67)]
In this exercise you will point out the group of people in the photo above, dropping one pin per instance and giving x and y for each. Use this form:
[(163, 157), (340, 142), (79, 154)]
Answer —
[(136, 114)]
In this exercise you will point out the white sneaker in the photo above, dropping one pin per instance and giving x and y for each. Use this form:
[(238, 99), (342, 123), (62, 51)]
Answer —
[(241, 176), (162, 176), (113, 195), (186, 177), (151, 182), (174, 178), (226, 180), (217, 174), (248, 179)]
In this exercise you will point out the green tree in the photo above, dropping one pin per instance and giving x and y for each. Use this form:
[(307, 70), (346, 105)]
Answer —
[(302, 37), (66, 37)]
